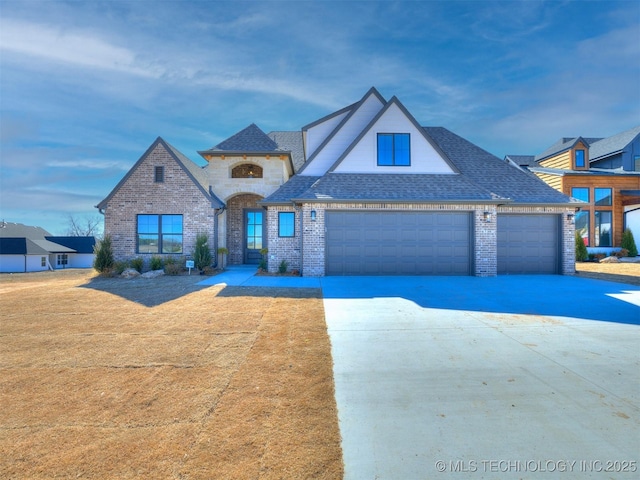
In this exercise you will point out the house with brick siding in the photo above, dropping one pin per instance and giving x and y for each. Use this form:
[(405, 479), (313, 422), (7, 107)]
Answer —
[(364, 190), (604, 173)]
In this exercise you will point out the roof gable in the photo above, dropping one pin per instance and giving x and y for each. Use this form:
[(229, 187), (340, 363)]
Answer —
[(193, 171), (317, 132), (361, 155), (343, 134)]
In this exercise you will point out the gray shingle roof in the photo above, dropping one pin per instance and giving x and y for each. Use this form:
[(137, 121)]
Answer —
[(483, 177), (491, 173), (611, 145), (250, 139), (290, 142), (523, 160), (293, 188), (20, 239), (395, 188)]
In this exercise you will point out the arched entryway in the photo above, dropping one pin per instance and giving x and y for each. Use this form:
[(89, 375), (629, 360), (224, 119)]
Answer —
[(246, 229)]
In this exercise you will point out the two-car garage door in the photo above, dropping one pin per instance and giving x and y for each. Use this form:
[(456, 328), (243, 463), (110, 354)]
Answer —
[(398, 243)]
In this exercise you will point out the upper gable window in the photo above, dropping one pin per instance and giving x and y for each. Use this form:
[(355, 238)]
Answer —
[(247, 170), (580, 163), (158, 174), (394, 149)]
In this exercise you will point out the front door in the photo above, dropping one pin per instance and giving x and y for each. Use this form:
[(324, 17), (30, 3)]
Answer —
[(253, 222)]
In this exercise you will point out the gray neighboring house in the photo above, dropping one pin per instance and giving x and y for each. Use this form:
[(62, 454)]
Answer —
[(25, 248), (365, 190)]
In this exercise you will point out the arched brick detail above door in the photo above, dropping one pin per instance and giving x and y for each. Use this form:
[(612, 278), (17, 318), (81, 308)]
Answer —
[(236, 207)]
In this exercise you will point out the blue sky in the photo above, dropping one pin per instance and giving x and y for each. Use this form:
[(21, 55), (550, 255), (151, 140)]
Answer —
[(86, 87)]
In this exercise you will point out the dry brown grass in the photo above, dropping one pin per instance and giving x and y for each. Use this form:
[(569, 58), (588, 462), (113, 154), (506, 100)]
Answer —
[(109, 378), (622, 272)]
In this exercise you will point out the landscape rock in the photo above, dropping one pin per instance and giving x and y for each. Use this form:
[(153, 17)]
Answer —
[(153, 274), (130, 273), (610, 260)]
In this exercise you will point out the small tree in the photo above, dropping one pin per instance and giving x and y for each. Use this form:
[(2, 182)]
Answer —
[(581, 249), (202, 254), (104, 255), (629, 243)]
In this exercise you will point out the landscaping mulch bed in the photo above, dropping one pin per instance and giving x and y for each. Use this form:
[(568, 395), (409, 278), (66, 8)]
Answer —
[(162, 378)]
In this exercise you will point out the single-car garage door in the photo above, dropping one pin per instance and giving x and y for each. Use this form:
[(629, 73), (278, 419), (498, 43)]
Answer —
[(398, 243), (528, 244)]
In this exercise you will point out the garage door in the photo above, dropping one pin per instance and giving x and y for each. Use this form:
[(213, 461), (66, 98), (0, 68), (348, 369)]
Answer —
[(398, 243), (528, 244)]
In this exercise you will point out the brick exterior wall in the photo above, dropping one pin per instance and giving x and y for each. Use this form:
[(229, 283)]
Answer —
[(484, 238), (177, 195), (283, 248)]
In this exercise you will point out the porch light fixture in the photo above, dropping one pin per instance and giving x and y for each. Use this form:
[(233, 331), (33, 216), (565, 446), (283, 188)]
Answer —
[(313, 215), (571, 218), (487, 216)]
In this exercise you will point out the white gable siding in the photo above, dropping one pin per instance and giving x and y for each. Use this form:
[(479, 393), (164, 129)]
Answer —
[(317, 134), (363, 157), (336, 146)]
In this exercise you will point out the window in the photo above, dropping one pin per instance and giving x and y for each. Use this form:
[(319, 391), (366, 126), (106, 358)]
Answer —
[(580, 193), (159, 174), (247, 170), (582, 225), (603, 228), (286, 224), (579, 158), (43, 261), (636, 165), (62, 259), (603, 196), (159, 233), (394, 149)]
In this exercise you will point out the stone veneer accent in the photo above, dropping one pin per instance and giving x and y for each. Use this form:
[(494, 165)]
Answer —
[(141, 195), (312, 256)]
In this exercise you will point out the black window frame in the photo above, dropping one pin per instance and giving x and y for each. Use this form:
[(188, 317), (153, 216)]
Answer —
[(599, 203), (394, 149), (158, 174), (160, 234), (598, 232), (280, 224)]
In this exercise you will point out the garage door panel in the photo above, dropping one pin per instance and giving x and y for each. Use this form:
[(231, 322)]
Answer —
[(398, 243), (528, 244)]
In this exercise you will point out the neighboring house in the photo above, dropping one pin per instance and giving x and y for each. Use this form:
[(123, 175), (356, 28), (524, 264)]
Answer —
[(602, 172), (364, 190), (32, 249)]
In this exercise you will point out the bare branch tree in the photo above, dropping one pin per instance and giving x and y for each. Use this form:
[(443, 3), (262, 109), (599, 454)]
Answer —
[(88, 226)]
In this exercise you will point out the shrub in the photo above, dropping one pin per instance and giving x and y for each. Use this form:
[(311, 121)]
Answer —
[(156, 263), (623, 252), (263, 263), (120, 267), (581, 250), (222, 251), (137, 263), (629, 243), (283, 266), (173, 269), (202, 254), (104, 262)]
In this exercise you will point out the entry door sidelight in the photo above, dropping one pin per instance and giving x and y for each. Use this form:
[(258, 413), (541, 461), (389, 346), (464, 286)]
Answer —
[(253, 235)]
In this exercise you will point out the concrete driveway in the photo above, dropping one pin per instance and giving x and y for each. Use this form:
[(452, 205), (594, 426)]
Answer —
[(503, 377)]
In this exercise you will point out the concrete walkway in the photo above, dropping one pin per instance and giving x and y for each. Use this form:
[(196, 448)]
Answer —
[(245, 276), (504, 377)]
